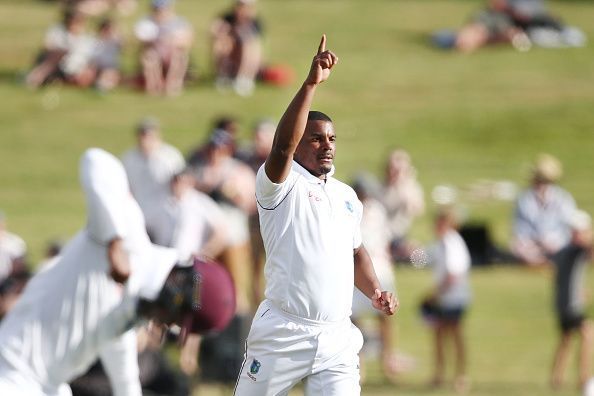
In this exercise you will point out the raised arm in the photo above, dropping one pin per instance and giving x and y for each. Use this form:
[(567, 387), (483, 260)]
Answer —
[(292, 124)]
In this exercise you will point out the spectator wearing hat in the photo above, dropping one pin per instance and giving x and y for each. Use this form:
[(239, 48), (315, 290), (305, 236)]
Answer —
[(166, 40), (541, 226), (150, 166)]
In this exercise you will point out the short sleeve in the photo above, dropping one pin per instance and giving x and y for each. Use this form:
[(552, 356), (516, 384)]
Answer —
[(357, 237), (56, 38), (107, 194), (269, 194), (457, 257)]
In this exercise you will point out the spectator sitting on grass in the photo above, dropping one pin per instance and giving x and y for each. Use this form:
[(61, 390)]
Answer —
[(166, 40), (66, 54), (519, 22), (106, 56), (237, 47)]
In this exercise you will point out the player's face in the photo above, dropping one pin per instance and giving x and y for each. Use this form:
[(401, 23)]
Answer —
[(317, 148)]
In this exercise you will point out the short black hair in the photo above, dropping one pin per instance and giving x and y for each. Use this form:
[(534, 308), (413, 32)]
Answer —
[(318, 116)]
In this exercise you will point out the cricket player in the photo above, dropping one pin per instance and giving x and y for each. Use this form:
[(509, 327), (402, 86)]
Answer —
[(85, 304), (310, 228)]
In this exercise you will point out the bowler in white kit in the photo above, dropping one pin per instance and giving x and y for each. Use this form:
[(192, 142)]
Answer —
[(85, 304), (314, 257)]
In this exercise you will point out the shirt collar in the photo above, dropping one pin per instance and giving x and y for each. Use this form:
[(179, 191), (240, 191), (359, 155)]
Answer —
[(308, 176)]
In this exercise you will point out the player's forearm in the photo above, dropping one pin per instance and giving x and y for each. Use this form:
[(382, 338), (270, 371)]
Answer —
[(289, 132), (365, 277)]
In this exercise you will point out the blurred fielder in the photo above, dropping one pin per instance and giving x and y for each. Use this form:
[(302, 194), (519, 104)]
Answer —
[(310, 228), (86, 303)]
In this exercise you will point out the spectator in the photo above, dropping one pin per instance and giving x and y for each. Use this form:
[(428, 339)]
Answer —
[(262, 136), (542, 215), (376, 238), (66, 54), (189, 221), (166, 40), (404, 201), (224, 123), (231, 183), (150, 166), (237, 47), (570, 301), (254, 157), (106, 56), (548, 232), (542, 28), (519, 22), (12, 251), (450, 296)]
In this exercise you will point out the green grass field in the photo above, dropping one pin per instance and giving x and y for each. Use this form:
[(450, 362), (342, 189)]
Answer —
[(464, 119)]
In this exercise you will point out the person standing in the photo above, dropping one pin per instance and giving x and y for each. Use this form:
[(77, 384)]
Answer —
[(150, 166), (310, 227), (450, 296), (546, 234)]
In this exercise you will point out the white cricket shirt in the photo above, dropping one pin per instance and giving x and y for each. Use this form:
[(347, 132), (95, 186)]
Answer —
[(310, 228), (72, 312), (450, 256)]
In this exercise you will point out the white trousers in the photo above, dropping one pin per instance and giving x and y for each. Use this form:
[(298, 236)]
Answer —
[(282, 350), (14, 384)]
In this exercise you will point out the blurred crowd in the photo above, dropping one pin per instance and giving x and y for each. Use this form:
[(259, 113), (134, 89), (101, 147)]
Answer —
[(203, 203), (162, 45)]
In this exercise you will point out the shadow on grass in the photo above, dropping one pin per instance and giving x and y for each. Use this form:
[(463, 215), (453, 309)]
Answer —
[(8, 76), (480, 388)]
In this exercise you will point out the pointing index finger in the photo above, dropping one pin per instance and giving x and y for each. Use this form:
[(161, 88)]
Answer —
[(322, 46)]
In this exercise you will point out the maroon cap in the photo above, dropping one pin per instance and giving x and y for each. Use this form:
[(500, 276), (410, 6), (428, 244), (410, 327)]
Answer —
[(214, 299)]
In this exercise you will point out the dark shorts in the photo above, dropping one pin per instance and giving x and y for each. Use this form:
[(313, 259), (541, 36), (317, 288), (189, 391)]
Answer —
[(451, 315), (570, 322), (433, 313)]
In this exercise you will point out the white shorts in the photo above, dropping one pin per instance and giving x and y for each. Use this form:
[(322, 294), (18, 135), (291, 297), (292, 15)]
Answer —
[(283, 349)]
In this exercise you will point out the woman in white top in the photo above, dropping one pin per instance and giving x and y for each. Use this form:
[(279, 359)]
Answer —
[(451, 262)]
